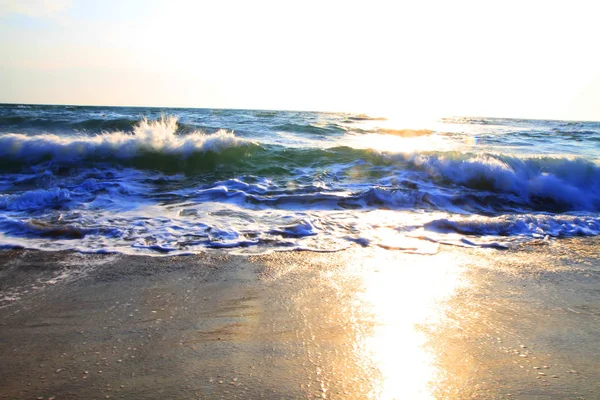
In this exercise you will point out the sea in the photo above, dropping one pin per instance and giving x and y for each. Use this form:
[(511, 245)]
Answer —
[(167, 181)]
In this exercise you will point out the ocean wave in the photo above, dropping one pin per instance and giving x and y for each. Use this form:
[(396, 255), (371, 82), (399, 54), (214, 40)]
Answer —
[(364, 117), (471, 182), (574, 132), (310, 128), (38, 199), (467, 120), (147, 137), (57, 124), (265, 114), (578, 135), (403, 196), (104, 125), (536, 226), (551, 183)]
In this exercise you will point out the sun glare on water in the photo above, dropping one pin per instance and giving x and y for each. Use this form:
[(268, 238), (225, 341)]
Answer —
[(401, 134), (393, 144)]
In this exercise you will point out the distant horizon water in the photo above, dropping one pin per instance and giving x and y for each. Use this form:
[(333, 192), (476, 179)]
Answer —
[(370, 113)]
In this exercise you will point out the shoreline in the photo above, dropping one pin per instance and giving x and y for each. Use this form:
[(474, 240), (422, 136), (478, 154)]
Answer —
[(361, 323)]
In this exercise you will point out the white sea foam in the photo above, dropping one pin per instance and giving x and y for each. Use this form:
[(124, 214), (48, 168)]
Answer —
[(148, 136), (574, 183), (186, 228), (519, 225), (34, 199)]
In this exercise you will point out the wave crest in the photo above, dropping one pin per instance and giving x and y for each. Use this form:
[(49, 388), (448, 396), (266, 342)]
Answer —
[(572, 184), (157, 136)]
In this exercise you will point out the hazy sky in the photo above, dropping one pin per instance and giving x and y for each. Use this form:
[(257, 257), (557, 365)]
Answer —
[(536, 59)]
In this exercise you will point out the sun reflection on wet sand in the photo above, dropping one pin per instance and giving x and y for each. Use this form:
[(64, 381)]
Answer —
[(366, 323), (403, 294)]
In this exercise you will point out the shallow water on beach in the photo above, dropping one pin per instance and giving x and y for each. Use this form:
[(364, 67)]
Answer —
[(179, 181)]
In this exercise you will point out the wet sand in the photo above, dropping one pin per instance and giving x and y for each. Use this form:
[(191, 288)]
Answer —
[(362, 323)]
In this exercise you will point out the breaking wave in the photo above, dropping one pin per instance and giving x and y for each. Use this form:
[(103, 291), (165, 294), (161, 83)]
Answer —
[(545, 182), (147, 137)]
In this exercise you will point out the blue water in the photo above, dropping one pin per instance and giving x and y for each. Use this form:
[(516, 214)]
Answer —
[(180, 181)]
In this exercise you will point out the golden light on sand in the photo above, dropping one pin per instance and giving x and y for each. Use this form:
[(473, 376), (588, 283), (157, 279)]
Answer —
[(404, 295)]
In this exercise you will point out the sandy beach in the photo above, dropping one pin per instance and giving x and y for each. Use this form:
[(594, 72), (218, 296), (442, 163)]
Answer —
[(358, 324)]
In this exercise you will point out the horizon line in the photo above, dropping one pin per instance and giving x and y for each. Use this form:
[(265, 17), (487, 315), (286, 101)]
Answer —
[(285, 110)]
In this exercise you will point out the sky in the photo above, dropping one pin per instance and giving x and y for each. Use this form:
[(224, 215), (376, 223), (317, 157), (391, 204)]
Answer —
[(523, 59)]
